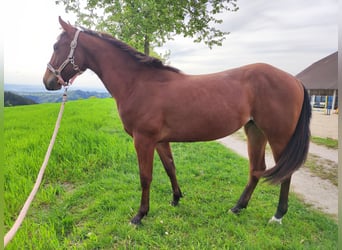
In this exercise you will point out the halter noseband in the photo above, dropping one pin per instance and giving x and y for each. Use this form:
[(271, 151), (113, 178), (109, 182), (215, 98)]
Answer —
[(70, 59)]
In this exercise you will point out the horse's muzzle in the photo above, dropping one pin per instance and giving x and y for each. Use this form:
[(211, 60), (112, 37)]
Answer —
[(51, 81)]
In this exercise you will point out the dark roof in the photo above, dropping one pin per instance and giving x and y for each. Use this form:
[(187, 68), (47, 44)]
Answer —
[(322, 74)]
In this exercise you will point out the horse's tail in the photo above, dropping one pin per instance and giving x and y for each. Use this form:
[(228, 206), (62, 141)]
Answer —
[(296, 151)]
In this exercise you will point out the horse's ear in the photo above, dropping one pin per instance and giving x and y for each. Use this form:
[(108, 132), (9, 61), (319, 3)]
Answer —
[(67, 27)]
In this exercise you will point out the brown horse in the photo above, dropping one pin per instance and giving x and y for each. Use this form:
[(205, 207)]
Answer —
[(158, 104)]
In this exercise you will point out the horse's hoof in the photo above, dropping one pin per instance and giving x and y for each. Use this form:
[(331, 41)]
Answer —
[(275, 220), (136, 221), (235, 210), (176, 199), (174, 203)]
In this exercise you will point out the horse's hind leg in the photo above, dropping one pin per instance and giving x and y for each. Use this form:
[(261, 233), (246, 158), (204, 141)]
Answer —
[(165, 154), (283, 201), (256, 152), (277, 149)]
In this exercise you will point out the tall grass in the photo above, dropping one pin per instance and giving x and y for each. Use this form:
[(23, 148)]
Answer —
[(91, 190)]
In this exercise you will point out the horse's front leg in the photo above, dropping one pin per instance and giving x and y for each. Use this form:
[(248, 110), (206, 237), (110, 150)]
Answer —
[(145, 149)]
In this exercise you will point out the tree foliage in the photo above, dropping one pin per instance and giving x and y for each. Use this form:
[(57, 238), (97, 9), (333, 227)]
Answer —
[(145, 23)]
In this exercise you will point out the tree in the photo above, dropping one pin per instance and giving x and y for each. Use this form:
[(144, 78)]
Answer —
[(147, 23)]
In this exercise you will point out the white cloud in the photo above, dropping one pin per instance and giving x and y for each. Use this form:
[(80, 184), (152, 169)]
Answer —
[(289, 34)]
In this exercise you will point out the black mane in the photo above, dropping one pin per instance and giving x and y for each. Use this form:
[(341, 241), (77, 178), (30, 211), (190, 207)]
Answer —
[(138, 56)]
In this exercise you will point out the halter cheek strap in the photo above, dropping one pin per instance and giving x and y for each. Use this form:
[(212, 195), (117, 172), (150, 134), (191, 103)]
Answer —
[(70, 59)]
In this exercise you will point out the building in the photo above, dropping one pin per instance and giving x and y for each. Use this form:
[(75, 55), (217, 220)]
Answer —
[(321, 81)]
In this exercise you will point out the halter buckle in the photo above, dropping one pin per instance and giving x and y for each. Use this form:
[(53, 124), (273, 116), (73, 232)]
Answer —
[(73, 44)]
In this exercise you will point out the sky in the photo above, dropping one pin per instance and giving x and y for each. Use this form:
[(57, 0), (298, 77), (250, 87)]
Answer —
[(288, 34)]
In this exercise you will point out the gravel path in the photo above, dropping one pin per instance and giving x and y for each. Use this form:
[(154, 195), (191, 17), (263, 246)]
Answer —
[(321, 194)]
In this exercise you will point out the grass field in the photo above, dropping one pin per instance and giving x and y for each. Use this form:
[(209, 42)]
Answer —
[(91, 190), (328, 142)]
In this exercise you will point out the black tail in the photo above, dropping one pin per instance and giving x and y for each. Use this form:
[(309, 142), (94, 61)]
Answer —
[(296, 151)]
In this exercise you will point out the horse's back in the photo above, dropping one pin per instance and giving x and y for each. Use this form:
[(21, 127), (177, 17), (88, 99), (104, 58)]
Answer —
[(271, 97), (207, 107), (256, 88)]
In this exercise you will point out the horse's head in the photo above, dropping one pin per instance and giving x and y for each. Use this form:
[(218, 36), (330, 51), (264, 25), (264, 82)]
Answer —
[(67, 61)]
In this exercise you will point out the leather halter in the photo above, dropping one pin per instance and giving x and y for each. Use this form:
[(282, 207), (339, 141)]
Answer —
[(70, 59)]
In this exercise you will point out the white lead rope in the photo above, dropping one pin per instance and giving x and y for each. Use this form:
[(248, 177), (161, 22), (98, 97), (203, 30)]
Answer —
[(22, 214)]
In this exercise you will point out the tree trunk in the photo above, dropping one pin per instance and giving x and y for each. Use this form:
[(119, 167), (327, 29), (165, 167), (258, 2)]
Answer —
[(146, 46)]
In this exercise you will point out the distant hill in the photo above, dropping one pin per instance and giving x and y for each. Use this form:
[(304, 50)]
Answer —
[(12, 99), (46, 97)]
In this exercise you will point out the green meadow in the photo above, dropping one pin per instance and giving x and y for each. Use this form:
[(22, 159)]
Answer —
[(91, 190)]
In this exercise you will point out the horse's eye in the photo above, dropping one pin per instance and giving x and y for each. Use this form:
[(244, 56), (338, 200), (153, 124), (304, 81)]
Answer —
[(55, 47)]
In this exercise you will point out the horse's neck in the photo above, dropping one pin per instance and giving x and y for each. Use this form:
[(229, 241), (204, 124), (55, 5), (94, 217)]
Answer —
[(114, 67)]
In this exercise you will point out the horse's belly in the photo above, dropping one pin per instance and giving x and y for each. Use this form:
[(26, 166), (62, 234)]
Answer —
[(202, 128)]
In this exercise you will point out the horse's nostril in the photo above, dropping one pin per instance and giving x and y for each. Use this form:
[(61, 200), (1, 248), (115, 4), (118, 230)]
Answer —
[(50, 81)]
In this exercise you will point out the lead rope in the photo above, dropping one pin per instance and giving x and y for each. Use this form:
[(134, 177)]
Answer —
[(22, 214)]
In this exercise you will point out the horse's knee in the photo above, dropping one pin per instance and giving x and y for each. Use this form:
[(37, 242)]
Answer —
[(145, 181)]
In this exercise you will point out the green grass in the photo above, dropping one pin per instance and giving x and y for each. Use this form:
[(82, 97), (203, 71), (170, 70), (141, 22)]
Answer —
[(328, 142), (91, 190)]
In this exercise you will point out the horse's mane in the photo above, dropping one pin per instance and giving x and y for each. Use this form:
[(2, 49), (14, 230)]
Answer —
[(138, 56)]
